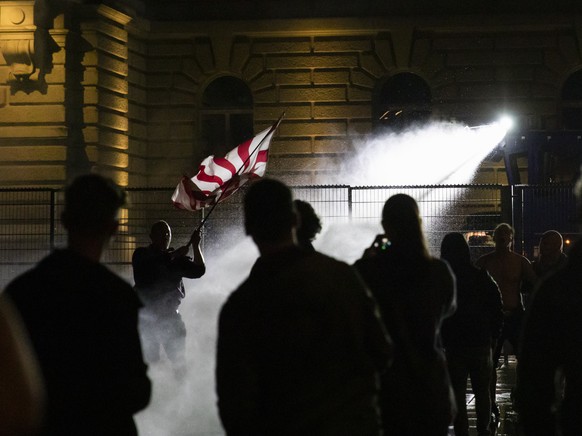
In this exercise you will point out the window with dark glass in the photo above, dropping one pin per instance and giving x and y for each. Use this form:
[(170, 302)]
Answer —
[(572, 102), (227, 115), (402, 101)]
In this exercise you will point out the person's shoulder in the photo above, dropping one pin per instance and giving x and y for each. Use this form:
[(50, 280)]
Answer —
[(551, 292), (327, 259), (240, 300), (521, 257), (484, 279), (119, 292), (440, 266), (438, 263), (374, 262), (483, 259), (35, 289), (561, 280), (140, 252), (39, 274), (333, 266), (481, 273), (24, 283), (115, 279)]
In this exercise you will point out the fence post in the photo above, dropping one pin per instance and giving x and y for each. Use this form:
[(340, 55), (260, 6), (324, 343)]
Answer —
[(517, 223), (350, 203), (53, 220)]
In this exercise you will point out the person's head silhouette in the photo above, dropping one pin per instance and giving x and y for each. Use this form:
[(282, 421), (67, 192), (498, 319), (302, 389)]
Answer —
[(91, 213), (269, 212), (403, 225)]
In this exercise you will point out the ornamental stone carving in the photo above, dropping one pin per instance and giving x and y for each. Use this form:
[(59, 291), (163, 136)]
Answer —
[(26, 46)]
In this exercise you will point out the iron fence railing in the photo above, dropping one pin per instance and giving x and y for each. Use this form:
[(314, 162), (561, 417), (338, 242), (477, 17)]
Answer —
[(30, 218)]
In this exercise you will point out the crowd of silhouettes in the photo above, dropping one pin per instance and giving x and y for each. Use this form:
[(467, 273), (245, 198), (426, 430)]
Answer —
[(307, 344)]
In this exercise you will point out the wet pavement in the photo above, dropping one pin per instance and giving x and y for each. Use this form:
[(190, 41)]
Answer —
[(151, 424), (505, 383)]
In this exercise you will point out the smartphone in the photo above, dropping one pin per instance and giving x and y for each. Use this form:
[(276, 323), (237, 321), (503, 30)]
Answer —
[(381, 243)]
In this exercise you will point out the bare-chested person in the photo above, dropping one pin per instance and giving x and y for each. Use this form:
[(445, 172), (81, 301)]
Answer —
[(511, 271)]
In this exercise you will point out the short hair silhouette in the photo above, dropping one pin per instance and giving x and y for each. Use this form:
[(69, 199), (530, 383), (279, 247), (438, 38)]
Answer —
[(91, 202), (269, 211), (553, 234), (504, 227), (159, 225)]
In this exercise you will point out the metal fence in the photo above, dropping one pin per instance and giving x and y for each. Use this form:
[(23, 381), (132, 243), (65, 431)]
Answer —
[(30, 218)]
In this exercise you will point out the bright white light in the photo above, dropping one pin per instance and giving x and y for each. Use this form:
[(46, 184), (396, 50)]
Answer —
[(506, 122), (441, 153), (438, 154)]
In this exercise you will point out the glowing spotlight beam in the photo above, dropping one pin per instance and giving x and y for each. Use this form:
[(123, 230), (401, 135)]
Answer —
[(434, 154)]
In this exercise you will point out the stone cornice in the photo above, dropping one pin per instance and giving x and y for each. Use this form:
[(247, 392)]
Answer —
[(113, 15)]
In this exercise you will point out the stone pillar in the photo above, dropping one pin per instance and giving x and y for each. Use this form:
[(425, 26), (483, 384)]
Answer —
[(32, 79), (105, 93)]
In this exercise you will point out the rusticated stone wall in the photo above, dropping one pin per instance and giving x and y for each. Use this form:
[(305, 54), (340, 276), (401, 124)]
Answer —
[(123, 95), (106, 90), (63, 94), (324, 74)]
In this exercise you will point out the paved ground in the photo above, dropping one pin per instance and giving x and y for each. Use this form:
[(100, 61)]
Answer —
[(505, 381), (179, 420)]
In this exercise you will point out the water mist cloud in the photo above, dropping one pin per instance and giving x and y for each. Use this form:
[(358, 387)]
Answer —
[(439, 153), (188, 407)]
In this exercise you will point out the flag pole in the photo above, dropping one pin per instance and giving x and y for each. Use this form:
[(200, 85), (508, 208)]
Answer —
[(228, 183)]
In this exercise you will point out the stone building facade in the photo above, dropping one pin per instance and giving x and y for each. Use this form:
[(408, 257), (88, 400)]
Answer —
[(107, 86)]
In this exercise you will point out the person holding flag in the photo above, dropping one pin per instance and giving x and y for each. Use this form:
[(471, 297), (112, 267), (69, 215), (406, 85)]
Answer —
[(158, 271)]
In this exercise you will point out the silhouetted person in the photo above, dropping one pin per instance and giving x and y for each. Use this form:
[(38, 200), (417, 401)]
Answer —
[(300, 344), (513, 273), (551, 255), (468, 335), (21, 385), (415, 293), (82, 321), (309, 224), (158, 270), (549, 383)]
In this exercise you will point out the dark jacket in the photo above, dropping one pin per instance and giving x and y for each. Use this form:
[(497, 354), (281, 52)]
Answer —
[(414, 295), (542, 268), (552, 342), (82, 321), (479, 316), (158, 277), (299, 349)]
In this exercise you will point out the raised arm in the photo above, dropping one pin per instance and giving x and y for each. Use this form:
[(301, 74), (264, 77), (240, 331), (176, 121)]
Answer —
[(196, 251)]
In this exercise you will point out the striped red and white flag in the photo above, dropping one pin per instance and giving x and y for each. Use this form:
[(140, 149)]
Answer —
[(218, 178)]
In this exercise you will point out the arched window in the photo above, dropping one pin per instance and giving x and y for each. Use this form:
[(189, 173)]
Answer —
[(572, 102), (227, 115), (401, 101)]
